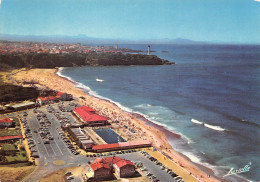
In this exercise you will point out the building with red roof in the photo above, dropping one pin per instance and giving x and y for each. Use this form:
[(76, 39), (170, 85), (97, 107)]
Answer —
[(6, 122), (41, 101), (8, 138), (122, 146), (100, 171), (88, 116), (60, 93), (85, 109), (122, 168), (64, 96)]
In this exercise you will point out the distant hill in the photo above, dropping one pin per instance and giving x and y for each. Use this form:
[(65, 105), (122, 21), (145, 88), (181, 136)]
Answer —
[(91, 40), (46, 60)]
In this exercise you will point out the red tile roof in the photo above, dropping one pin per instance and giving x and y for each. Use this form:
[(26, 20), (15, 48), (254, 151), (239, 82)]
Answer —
[(84, 108), (109, 161), (42, 98), (121, 144), (112, 160), (60, 93), (5, 120), (99, 165), (106, 146), (51, 97), (122, 163), (86, 114), (97, 160), (3, 138)]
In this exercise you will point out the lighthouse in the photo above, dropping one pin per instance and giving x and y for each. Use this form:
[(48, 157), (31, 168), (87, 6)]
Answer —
[(148, 52)]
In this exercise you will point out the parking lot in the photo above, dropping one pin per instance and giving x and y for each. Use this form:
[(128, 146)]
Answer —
[(43, 130), (49, 144)]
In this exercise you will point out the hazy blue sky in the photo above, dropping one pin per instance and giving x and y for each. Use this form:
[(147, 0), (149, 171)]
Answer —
[(204, 20)]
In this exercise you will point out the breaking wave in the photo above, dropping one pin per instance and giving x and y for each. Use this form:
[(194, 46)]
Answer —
[(218, 128), (196, 121)]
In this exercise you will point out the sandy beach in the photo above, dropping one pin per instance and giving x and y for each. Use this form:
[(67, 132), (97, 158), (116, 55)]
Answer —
[(49, 79)]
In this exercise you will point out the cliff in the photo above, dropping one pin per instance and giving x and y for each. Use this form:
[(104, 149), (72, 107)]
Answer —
[(46, 60)]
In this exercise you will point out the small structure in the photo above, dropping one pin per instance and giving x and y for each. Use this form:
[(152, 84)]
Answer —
[(80, 138), (148, 51), (6, 122), (64, 96), (41, 101), (103, 168), (60, 96), (22, 106), (100, 171), (124, 169)]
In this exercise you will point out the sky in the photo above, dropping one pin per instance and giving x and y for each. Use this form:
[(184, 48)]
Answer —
[(200, 20)]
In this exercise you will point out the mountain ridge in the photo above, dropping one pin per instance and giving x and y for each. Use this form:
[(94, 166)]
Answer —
[(92, 40)]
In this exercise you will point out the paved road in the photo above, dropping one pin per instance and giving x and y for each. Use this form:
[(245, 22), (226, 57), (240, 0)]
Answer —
[(56, 155)]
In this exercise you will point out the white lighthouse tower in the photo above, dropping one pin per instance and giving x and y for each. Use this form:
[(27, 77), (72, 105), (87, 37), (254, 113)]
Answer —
[(148, 52)]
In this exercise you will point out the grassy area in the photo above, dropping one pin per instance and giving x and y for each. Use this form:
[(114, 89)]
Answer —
[(16, 121), (15, 174), (20, 156), (12, 93), (4, 132)]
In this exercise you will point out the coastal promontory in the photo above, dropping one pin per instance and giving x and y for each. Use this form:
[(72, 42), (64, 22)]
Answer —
[(51, 55)]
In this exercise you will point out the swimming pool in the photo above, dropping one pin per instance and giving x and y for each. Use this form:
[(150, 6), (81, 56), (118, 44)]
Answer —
[(109, 136)]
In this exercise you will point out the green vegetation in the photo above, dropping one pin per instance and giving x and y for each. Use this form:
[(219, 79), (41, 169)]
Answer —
[(20, 156), (16, 122), (10, 153), (4, 132), (46, 60), (13, 93), (8, 147)]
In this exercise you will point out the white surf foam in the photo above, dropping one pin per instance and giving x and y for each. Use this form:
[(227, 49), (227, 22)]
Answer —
[(99, 80), (218, 128), (192, 157), (196, 121), (59, 73)]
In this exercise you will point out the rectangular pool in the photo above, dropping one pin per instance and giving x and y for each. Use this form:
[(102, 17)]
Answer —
[(109, 136)]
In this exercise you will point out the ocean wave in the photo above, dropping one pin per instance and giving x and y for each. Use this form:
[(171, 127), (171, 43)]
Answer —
[(99, 80), (188, 139), (218, 128), (196, 121), (59, 71), (193, 157)]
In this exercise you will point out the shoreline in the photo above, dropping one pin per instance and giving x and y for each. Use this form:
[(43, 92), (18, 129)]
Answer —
[(169, 134), (154, 133)]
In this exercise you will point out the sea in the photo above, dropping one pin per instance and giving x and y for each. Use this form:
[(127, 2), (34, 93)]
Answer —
[(211, 97)]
